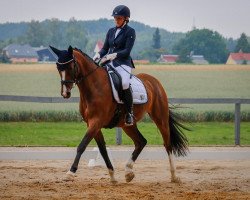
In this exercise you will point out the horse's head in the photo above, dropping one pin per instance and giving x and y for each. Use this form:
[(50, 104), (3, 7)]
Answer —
[(67, 68)]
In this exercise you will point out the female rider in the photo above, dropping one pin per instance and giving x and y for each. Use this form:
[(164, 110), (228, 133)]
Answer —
[(116, 49)]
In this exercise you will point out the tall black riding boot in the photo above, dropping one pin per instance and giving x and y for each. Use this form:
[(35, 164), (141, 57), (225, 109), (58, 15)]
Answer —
[(128, 102)]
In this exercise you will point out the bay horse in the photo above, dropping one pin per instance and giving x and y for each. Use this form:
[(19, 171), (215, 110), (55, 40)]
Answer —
[(97, 108)]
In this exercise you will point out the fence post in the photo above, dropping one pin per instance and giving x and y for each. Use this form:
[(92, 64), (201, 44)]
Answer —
[(237, 123), (118, 136)]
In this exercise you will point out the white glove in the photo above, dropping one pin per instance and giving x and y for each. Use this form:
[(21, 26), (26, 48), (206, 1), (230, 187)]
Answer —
[(103, 60), (111, 56), (96, 56)]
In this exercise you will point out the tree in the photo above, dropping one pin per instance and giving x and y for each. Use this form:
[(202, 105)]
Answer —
[(242, 44), (152, 54), (35, 34), (231, 44), (55, 33), (156, 39), (3, 57), (204, 42), (75, 35)]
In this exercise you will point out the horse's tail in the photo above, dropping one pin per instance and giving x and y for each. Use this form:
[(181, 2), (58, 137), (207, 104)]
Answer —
[(178, 140)]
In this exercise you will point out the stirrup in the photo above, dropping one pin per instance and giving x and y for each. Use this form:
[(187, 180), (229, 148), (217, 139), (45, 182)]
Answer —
[(129, 119)]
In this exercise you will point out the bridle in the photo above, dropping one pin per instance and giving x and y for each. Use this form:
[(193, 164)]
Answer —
[(63, 66)]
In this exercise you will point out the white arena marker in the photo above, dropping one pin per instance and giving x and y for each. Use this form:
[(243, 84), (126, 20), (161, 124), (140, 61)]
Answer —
[(98, 161)]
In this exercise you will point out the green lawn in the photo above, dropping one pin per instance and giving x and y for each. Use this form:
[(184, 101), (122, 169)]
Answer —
[(177, 83), (70, 134)]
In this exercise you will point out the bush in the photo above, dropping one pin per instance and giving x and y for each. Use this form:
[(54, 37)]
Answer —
[(73, 116), (40, 116)]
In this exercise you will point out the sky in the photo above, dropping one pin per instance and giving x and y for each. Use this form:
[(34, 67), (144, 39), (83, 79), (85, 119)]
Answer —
[(229, 17)]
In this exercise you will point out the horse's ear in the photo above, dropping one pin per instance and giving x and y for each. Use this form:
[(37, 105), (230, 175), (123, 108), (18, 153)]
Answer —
[(70, 50), (56, 51)]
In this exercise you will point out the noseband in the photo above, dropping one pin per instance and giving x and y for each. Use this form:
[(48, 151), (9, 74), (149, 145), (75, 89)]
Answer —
[(63, 66)]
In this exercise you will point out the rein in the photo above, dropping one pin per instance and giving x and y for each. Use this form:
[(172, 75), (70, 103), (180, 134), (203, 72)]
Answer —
[(64, 66)]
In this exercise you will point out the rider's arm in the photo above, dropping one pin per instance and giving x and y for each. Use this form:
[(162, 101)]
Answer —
[(130, 40)]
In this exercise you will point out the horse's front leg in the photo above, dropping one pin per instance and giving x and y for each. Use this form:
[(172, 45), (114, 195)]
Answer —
[(102, 148), (90, 134)]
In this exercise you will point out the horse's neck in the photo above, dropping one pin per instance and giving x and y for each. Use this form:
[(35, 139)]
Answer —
[(93, 79)]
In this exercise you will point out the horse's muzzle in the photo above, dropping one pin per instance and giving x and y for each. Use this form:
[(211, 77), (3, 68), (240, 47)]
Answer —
[(66, 95)]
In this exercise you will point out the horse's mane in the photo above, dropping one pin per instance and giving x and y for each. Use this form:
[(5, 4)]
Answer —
[(86, 55)]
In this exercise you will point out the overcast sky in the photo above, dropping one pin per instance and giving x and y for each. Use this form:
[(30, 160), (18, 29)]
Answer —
[(228, 17)]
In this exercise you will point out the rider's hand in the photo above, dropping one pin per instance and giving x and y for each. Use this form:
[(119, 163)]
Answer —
[(111, 56), (96, 57), (108, 57), (103, 60)]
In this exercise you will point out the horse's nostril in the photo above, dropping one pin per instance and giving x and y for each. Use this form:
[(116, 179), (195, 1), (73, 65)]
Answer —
[(68, 94)]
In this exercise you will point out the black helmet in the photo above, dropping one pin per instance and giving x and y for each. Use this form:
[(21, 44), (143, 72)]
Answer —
[(121, 10)]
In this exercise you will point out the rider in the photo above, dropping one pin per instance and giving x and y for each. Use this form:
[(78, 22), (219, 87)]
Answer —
[(117, 47)]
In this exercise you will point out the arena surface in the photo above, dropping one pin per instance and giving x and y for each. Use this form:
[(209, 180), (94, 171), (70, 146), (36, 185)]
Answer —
[(213, 179)]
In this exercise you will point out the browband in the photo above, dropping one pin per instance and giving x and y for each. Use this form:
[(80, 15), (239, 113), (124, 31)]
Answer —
[(65, 62), (63, 66)]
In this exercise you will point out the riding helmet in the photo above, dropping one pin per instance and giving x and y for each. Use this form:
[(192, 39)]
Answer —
[(121, 10)]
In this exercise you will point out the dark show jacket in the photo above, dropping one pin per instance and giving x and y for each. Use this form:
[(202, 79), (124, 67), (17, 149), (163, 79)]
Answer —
[(122, 45)]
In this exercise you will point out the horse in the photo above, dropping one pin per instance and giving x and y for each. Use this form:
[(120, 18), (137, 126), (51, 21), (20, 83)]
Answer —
[(97, 107)]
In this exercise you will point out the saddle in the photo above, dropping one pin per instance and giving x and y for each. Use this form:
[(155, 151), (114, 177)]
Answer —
[(115, 81), (139, 92)]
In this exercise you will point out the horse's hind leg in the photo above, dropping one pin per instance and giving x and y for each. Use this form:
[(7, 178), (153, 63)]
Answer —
[(140, 142), (102, 147), (174, 178), (161, 121)]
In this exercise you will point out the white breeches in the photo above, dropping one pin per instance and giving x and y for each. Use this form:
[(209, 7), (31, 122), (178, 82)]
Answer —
[(125, 72)]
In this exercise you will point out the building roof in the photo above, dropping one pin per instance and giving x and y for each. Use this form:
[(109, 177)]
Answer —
[(20, 51), (198, 59), (169, 58), (240, 56), (45, 55)]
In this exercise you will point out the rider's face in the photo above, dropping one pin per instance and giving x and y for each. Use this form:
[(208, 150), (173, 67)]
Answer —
[(119, 20)]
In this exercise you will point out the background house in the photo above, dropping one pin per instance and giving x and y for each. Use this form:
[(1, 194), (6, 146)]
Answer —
[(141, 62), (196, 59), (20, 53), (168, 58), (199, 59), (238, 58), (45, 55)]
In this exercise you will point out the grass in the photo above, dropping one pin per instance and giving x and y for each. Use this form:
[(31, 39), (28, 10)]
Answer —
[(71, 133), (189, 81), (179, 82)]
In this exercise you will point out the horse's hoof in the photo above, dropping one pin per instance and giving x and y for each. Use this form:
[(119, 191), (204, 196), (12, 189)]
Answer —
[(175, 180), (112, 177), (70, 176), (113, 181), (129, 176)]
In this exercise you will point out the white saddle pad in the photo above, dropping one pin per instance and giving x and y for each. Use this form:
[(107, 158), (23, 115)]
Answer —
[(139, 92)]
